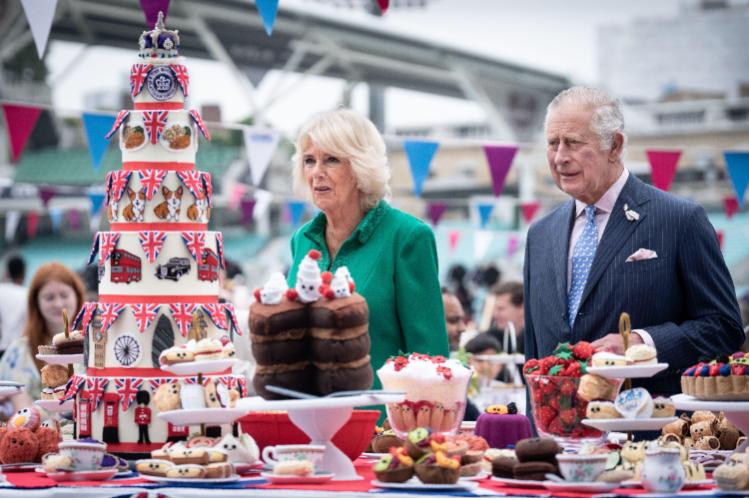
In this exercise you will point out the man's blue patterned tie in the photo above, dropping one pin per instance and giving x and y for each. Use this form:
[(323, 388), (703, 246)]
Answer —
[(582, 259)]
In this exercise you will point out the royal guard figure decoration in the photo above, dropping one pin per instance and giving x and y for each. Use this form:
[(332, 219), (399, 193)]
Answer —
[(143, 416)]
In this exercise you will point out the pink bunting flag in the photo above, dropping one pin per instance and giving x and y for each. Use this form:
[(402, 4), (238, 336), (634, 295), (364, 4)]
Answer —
[(248, 207), (529, 209), (452, 239), (500, 160), (436, 210), (20, 121), (32, 224), (235, 197), (384, 4), (731, 206), (721, 237), (74, 219), (663, 166), (513, 244)]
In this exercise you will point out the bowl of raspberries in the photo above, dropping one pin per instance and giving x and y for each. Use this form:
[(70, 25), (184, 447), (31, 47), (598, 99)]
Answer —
[(559, 392)]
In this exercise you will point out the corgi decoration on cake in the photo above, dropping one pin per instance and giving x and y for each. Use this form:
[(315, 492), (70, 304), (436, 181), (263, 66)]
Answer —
[(134, 211), (112, 208), (199, 211), (169, 209)]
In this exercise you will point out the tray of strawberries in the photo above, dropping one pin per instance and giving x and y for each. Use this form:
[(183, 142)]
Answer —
[(561, 387)]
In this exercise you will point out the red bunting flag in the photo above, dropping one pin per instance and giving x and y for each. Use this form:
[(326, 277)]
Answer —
[(384, 4), (731, 206), (529, 209), (32, 224), (46, 194), (20, 121), (663, 166)]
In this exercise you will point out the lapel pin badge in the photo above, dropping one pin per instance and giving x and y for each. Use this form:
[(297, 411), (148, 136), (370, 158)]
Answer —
[(631, 215)]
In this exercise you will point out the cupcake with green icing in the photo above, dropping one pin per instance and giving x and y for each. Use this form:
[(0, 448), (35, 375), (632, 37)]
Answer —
[(419, 442), (395, 467)]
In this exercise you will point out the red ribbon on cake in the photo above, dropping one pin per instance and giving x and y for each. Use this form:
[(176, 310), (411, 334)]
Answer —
[(157, 226), (157, 299), (155, 106)]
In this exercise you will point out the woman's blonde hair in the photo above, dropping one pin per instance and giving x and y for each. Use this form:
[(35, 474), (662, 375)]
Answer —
[(36, 330), (348, 135)]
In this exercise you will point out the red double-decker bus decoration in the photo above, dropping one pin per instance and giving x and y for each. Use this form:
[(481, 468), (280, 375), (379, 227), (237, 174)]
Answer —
[(126, 267), (208, 268)]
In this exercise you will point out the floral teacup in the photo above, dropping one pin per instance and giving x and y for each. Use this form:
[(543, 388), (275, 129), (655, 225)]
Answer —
[(581, 468), (85, 454)]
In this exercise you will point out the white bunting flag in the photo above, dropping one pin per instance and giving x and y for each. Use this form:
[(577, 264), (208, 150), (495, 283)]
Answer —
[(482, 240), (40, 14), (260, 145)]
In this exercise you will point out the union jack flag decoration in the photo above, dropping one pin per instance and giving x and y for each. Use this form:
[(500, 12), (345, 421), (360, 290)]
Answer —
[(94, 248), (199, 122), (217, 314), (138, 74), (208, 187), (226, 380), (110, 314), (194, 241), (156, 382), (152, 242), (84, 315), (107, 243), (151, 179), (182, 315), (194, 182), (127, 388), (144, 315), (118, 122), (96, 387), (190, 380), (183, 77), (229, 309), (155, 121), (220, 249), (74, 385), (120, 180)]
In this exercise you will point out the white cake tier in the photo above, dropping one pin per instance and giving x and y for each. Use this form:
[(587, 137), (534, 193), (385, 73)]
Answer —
[(174, 273), (425, 378), (133, 335), (161, 82), (120, 423), (176, 202), (174, 149)]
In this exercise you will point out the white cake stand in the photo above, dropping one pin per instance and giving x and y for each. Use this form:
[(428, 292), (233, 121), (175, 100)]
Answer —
[(737, 412), (10, 388), (320, 419)]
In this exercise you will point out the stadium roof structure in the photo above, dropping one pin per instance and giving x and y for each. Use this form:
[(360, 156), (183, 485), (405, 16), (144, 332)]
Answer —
[(307, 43)]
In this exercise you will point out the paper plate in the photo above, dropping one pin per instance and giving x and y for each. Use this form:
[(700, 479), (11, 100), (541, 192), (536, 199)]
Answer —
[(519, 483), (322, 477), (628, 424), (415, 484), (629, 371), (89, 475), (633, 483)]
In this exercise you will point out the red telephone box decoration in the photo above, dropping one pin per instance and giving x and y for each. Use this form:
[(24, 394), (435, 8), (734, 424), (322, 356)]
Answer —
[(83, 414)]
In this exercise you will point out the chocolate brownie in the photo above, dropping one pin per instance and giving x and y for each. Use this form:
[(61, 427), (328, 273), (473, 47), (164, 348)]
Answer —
[(537, 450), (534, 471), (504, 467)]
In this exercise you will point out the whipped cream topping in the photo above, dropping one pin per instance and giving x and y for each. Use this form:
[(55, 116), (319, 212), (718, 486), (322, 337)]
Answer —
[(426, 378)]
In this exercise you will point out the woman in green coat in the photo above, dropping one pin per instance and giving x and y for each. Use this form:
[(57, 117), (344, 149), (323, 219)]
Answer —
[(341, 166)]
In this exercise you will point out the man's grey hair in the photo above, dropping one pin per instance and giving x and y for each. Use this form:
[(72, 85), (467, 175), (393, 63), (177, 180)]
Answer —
[(607, 115)]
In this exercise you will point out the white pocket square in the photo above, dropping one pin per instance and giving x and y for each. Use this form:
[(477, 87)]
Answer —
[(642, 254)]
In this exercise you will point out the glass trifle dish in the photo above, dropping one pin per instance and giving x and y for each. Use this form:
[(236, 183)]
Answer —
[(435, 388)]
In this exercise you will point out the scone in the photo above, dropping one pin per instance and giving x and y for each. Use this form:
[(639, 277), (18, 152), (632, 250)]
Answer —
[(167, 397), (642, 354), (153, 467), (294, 468), (593, 387), (732, 475), (601, 409), (187, 471), (54, 375)]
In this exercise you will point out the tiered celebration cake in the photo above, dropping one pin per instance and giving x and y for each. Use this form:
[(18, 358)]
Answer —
[(158, 265)]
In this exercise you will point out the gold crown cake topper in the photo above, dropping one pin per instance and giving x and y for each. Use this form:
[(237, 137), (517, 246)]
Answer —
[(159, 42)]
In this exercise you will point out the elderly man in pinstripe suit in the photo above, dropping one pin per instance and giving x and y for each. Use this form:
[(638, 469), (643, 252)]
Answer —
[(621, 245)]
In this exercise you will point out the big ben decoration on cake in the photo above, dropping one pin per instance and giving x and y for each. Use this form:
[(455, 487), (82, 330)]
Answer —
[(158, 263)]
